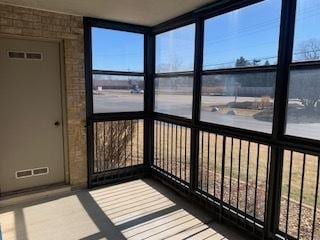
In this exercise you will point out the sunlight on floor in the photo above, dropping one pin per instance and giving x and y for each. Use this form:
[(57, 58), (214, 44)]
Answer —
[(47, 220), (141, 209)]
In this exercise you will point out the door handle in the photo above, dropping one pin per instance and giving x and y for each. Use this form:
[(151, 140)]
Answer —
[(57, 123)]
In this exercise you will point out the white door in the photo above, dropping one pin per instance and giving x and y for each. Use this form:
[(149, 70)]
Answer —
[(31, 134)]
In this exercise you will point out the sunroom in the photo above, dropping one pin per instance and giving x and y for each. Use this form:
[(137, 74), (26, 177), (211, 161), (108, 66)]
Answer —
[(160, 119)]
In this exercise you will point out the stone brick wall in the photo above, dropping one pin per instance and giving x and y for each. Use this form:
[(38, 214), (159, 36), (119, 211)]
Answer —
[(36, 23)]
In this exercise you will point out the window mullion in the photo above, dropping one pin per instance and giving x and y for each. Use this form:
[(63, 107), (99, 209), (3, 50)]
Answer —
[(198, 60), (284, 60), (281, 93)]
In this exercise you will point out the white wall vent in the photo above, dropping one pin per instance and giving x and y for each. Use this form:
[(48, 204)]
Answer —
[(40, 171), (25, 55), (34, 56), (24, 174), (32, 172), (16, 55)]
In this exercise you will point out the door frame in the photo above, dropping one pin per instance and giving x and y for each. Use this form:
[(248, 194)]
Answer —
[(63, 91)]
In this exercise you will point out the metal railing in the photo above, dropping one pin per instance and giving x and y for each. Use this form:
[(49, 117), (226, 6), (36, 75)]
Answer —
[(235, 172), (300, 201), (118, 145), (172, 150), (233, 176)]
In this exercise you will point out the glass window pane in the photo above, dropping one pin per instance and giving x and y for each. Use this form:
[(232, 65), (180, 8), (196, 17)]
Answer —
[(174, 95), (239, 100), (117, 50), (243, 38), (303, 114), (113, 93), (307, 34), (175, 50)]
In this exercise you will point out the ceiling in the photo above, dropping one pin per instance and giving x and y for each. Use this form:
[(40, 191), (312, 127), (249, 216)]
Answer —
[(143, 12)]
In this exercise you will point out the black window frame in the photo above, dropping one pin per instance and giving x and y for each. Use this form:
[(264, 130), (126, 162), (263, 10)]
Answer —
[(91, 117), (90, 23), (225, 9), (278, 140), (282, 69)]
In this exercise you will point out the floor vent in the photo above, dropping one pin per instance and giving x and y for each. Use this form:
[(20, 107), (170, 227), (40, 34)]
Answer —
[(32, 172)]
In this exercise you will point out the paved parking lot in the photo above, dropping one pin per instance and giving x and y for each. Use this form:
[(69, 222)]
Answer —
[(181, 105)]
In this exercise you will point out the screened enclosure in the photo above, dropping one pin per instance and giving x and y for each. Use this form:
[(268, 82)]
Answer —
[(222, 104)]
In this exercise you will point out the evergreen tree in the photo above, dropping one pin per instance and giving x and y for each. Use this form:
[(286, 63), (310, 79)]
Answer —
[(242, 62)]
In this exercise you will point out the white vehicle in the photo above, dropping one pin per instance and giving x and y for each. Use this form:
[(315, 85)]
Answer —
[(136, 91)]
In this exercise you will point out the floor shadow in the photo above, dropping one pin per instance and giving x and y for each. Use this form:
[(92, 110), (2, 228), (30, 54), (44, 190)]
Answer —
[(105, 225), (141, 209), (19, 220), (227, 231)]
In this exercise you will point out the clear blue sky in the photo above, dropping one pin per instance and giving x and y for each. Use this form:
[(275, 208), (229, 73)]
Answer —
[(307, 23), (175, 50), (117, 50), (251, 32)]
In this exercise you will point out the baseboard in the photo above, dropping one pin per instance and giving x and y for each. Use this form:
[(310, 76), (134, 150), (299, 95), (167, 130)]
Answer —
[(33, 194)]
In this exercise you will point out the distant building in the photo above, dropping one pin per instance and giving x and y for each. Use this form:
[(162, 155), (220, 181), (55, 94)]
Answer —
[(116, 82)]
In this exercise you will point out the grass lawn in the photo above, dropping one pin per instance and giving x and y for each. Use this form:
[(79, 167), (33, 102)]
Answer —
[(257, 154)]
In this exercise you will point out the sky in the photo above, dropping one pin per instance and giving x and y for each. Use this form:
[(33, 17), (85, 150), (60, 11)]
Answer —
[(251, 32), (175, 49), (117, 50)]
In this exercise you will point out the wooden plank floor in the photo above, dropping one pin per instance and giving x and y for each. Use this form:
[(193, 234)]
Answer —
[(140, 209)]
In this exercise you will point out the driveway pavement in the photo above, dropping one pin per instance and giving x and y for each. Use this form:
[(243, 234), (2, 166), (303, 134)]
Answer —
[(181, 105)]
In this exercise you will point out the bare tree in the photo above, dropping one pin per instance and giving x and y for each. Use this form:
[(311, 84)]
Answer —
[(310, 49), (113, 144), (172, 66), (305, 85)]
